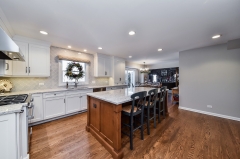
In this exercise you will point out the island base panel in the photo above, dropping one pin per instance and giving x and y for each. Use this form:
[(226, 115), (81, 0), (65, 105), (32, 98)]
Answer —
[(104, 123)]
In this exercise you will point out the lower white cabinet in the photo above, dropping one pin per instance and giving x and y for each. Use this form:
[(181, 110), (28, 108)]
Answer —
[(54, 107), (8, 144), (38, 107), (83, 102), (73, 103)]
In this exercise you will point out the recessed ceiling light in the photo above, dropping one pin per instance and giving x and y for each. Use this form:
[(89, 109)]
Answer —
[(100, 48), (131, 33), (159, 49), (216, 36), (130, 56), (84, 50), (44, 32), (10, 53), (69, 46), (79, 53)]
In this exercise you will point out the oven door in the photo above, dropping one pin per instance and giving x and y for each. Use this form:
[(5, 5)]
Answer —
[(30, 116)]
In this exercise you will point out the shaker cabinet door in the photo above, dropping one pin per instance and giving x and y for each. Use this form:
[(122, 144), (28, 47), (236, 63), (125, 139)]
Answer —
[(84, 102), (73, 103), (54, 107), (39, 60), (38, 108), (20, 68)]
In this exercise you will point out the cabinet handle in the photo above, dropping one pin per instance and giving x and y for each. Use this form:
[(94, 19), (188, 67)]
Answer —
[(28, 69), (94, 106), (54, 94), (80, 97), (120, 79), (105, 73), (64, 100), (7, 66)]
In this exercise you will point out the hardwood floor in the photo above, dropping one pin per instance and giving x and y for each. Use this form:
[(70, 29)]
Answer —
[(182, 135)]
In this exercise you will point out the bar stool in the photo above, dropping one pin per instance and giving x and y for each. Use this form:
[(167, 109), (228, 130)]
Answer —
[(137, 107), (151, 105), (161, 101)]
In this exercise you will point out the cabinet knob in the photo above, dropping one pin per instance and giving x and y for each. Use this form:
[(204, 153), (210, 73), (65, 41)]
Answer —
[(94, 106)]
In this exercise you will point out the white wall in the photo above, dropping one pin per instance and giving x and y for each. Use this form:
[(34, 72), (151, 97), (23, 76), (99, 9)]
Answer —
[(164, 64), (211, 76)]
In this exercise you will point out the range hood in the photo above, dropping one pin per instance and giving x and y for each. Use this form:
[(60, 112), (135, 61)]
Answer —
[(8, 48)]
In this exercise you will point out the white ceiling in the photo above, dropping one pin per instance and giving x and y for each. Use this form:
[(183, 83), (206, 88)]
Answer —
[(173, 25)]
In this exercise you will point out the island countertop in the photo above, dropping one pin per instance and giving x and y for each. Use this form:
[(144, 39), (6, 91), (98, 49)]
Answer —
[(118, 96)]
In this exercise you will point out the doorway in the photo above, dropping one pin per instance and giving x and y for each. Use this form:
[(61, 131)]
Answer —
[(130, 77)]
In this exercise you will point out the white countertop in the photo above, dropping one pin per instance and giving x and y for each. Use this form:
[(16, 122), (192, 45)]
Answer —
[(58, 89), (14, 108), (118, 96)]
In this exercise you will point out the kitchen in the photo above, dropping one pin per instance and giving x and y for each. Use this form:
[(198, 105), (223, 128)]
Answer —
[(68, 74)]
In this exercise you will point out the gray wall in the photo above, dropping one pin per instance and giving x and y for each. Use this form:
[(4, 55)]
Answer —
[(30, 83), (210, 76)]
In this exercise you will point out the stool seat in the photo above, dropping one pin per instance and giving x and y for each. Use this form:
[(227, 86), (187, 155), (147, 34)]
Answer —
[(128, 109), (146, 104)]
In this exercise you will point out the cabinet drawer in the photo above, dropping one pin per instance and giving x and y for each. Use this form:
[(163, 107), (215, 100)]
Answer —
[(53, 94), (68, 93)]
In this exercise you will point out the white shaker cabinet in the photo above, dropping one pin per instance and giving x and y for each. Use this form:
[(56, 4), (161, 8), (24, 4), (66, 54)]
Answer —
[(119, 71), (38, 107), (37, 58), (5, 67), (83, 101), (73, 103), (20, 68), (102, 65), (54, 107), (8, 144)]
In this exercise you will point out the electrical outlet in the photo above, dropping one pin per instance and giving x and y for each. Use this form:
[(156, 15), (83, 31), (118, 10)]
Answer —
[(41, 84), (209, 106)]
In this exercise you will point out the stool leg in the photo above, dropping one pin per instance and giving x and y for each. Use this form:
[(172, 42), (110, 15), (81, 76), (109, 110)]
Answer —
[(154, 115), (159, 112), (148, 123), (131, 133), (164, 109), (142, 125)]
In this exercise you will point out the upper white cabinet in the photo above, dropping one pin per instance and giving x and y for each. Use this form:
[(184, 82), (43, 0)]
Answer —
[(20, 68), (6, 68), (118, 71), (37, 58), (102, 65)]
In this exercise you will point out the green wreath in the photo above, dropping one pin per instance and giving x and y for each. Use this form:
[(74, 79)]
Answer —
[(70, 73)]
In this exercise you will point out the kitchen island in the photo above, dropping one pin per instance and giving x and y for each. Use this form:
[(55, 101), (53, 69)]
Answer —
[(104, 116)]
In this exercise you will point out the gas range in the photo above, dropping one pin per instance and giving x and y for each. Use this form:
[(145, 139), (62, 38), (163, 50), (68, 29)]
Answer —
[(12, 99)]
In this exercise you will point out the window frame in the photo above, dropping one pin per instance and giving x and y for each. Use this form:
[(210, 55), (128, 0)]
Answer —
[(60, 75)]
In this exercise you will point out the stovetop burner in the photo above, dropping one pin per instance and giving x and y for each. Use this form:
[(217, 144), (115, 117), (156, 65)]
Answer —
[(14, 99)]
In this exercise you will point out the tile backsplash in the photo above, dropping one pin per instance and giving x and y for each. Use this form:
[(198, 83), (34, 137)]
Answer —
[(32, 83)]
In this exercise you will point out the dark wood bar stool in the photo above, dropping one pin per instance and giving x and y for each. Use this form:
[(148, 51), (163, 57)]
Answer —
[(151, 105), (161, 102), (137, 108)]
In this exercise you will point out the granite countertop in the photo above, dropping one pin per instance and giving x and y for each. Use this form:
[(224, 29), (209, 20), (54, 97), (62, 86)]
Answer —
[(14, 108), (118, 96), (71, 88)]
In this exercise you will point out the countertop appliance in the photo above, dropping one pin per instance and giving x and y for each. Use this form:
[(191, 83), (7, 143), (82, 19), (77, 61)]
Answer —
[(8, 48)]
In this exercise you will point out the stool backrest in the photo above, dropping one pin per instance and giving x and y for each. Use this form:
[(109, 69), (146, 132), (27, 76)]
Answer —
[(153, 96), (138, 100), (162, 93)]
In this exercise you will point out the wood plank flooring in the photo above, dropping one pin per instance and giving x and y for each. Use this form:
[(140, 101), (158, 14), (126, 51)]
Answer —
[(183, 135)]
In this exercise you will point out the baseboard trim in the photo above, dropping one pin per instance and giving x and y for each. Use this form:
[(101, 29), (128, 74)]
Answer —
[(209, 113)]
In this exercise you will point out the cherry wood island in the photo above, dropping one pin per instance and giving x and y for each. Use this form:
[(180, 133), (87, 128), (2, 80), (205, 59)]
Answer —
[(104, 117)]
